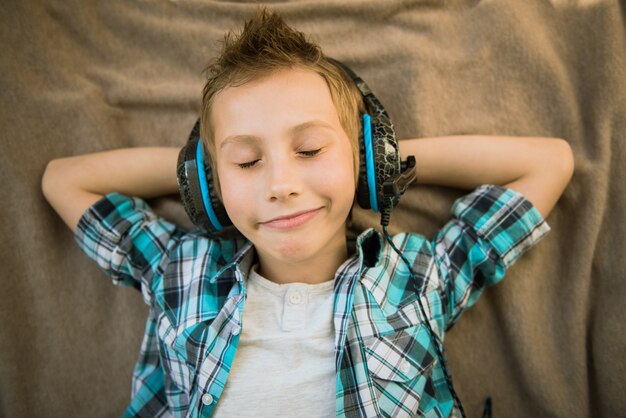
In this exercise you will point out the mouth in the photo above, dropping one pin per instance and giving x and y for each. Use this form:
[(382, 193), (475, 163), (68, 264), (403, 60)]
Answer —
[(292, 220)]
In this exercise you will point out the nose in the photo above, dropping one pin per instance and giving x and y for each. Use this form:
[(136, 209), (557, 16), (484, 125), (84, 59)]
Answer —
[(284, 180)]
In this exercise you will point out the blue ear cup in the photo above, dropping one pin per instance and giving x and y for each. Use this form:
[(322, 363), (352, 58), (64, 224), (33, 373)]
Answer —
[(196, 186), (204, 173), (383, 177), (368, 159)]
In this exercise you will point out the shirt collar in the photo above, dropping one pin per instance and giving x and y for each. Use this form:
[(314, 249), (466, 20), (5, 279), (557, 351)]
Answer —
[(369, 244), (379, 266), (238, 266)]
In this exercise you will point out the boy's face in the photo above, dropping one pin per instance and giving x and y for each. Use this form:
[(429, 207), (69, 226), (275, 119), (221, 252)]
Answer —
[(285, 166)]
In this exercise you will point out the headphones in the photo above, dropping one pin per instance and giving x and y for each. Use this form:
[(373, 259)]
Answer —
[(383, 177)]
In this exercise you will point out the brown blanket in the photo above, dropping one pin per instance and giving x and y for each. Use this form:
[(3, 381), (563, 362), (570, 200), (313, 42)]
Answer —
[(78, 77)]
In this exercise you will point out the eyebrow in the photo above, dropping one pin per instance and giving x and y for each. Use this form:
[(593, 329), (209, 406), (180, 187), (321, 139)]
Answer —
[(315, 123)]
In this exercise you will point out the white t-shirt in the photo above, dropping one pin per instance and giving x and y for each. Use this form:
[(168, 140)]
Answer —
[(285, 362)]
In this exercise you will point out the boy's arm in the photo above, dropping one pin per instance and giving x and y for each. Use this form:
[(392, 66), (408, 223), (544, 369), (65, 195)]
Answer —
[(73, 184), (538, 168)]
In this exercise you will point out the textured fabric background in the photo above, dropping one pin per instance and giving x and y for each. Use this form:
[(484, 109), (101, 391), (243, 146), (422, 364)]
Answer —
[(84, 76)]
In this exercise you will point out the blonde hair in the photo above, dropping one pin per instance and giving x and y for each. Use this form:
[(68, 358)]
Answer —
[(265, 45)]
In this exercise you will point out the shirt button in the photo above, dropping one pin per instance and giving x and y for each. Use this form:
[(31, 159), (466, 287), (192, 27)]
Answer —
[(207, 399), (295, 298), (236, 331), (405, 366)]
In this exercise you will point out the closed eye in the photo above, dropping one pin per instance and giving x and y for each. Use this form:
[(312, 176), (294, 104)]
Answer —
[(310, 153), (248, 164)]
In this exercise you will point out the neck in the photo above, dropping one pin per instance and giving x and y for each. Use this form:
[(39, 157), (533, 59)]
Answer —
[(313, 270)]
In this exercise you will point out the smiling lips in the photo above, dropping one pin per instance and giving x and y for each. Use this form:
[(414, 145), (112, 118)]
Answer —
[(293, 220)]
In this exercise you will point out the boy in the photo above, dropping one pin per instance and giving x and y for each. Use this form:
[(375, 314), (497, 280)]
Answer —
[(288, 318)]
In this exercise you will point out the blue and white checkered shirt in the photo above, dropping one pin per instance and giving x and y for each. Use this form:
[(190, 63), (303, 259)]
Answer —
[(386, 364)]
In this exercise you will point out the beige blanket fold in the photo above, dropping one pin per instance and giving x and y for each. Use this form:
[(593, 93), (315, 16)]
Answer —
[(78, 77)]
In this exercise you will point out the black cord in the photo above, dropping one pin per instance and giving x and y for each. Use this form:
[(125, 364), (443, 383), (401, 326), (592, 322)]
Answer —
[(487, 411), (433, 337)]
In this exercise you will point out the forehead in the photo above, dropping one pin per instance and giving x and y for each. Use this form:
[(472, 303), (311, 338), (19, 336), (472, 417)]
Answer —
[(273, 105)]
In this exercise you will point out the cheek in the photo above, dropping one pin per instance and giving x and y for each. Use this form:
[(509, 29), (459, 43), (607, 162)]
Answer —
[(346, 163), (337, 177), (233, 193)]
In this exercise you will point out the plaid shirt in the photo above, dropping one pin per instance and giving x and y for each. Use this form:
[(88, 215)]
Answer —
[(385, 361)]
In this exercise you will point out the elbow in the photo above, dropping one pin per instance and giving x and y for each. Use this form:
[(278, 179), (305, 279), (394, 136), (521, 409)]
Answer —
[(563, 164), (49, 178), (54, 178), (557, 168), (549, 177)]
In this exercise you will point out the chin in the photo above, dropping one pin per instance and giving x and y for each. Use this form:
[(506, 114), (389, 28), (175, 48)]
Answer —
[(295, 249)]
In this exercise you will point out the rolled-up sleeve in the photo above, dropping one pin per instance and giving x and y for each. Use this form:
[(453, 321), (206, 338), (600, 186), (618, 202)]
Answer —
[(127, 240), (491, 228)]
